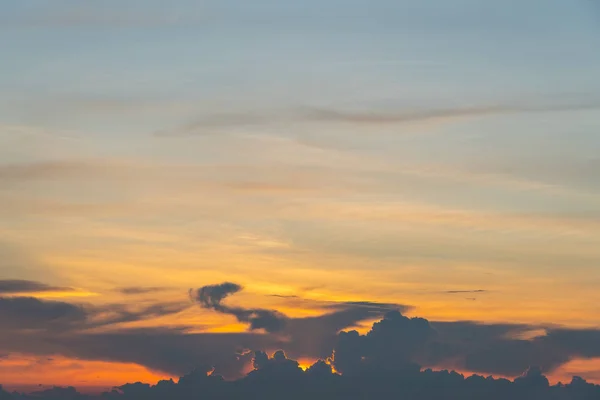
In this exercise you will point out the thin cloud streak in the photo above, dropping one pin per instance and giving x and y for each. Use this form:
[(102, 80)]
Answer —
[(15, 286), (314, 114), (465, 291), (135, 290)]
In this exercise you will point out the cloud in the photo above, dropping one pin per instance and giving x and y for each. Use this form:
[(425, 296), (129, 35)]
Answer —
[(325, 115), (112, 314), (391, 344), (134, 290), (465, 291), (395, 345), (378, 307), (209, 123), (316, 336), (211, 296), (71, 330), (169, 350), (31, 313), (580, 342), (324, 327), (499, 349), (284, 296), (277, 376), (12, 286), (25, 313)]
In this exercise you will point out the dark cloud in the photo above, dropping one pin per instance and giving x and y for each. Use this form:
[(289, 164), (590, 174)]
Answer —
[(391, 344), (316, 336), (279, 365), (173, 351), (398, 341), (31, 313), (509, 356), (11, 286), (26, 313), (346, 313), (580, 342), (211, 297), (499, 348)]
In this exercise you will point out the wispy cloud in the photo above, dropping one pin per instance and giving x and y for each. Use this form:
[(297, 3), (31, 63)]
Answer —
[(135, 290), (208, 123), (24, 286)]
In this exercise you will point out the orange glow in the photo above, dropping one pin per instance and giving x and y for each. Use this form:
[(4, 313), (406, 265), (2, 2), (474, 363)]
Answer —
[(35, 373), (248, 367), (227, 328), (306, 363), (587, 369)]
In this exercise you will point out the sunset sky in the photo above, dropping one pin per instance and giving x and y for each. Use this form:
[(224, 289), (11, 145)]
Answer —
[(438, 155)]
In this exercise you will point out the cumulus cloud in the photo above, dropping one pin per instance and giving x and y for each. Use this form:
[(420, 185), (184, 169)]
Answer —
[(391, 344)]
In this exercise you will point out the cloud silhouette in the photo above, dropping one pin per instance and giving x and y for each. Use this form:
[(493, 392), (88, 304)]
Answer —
[(279, 377), (392, 344), (396, 345), (211, 297)]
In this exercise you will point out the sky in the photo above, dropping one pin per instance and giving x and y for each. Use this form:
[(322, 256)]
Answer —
[(332, 160)]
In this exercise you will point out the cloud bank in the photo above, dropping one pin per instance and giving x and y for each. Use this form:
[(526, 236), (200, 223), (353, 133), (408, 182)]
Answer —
[(279, 377), (390, 358)]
